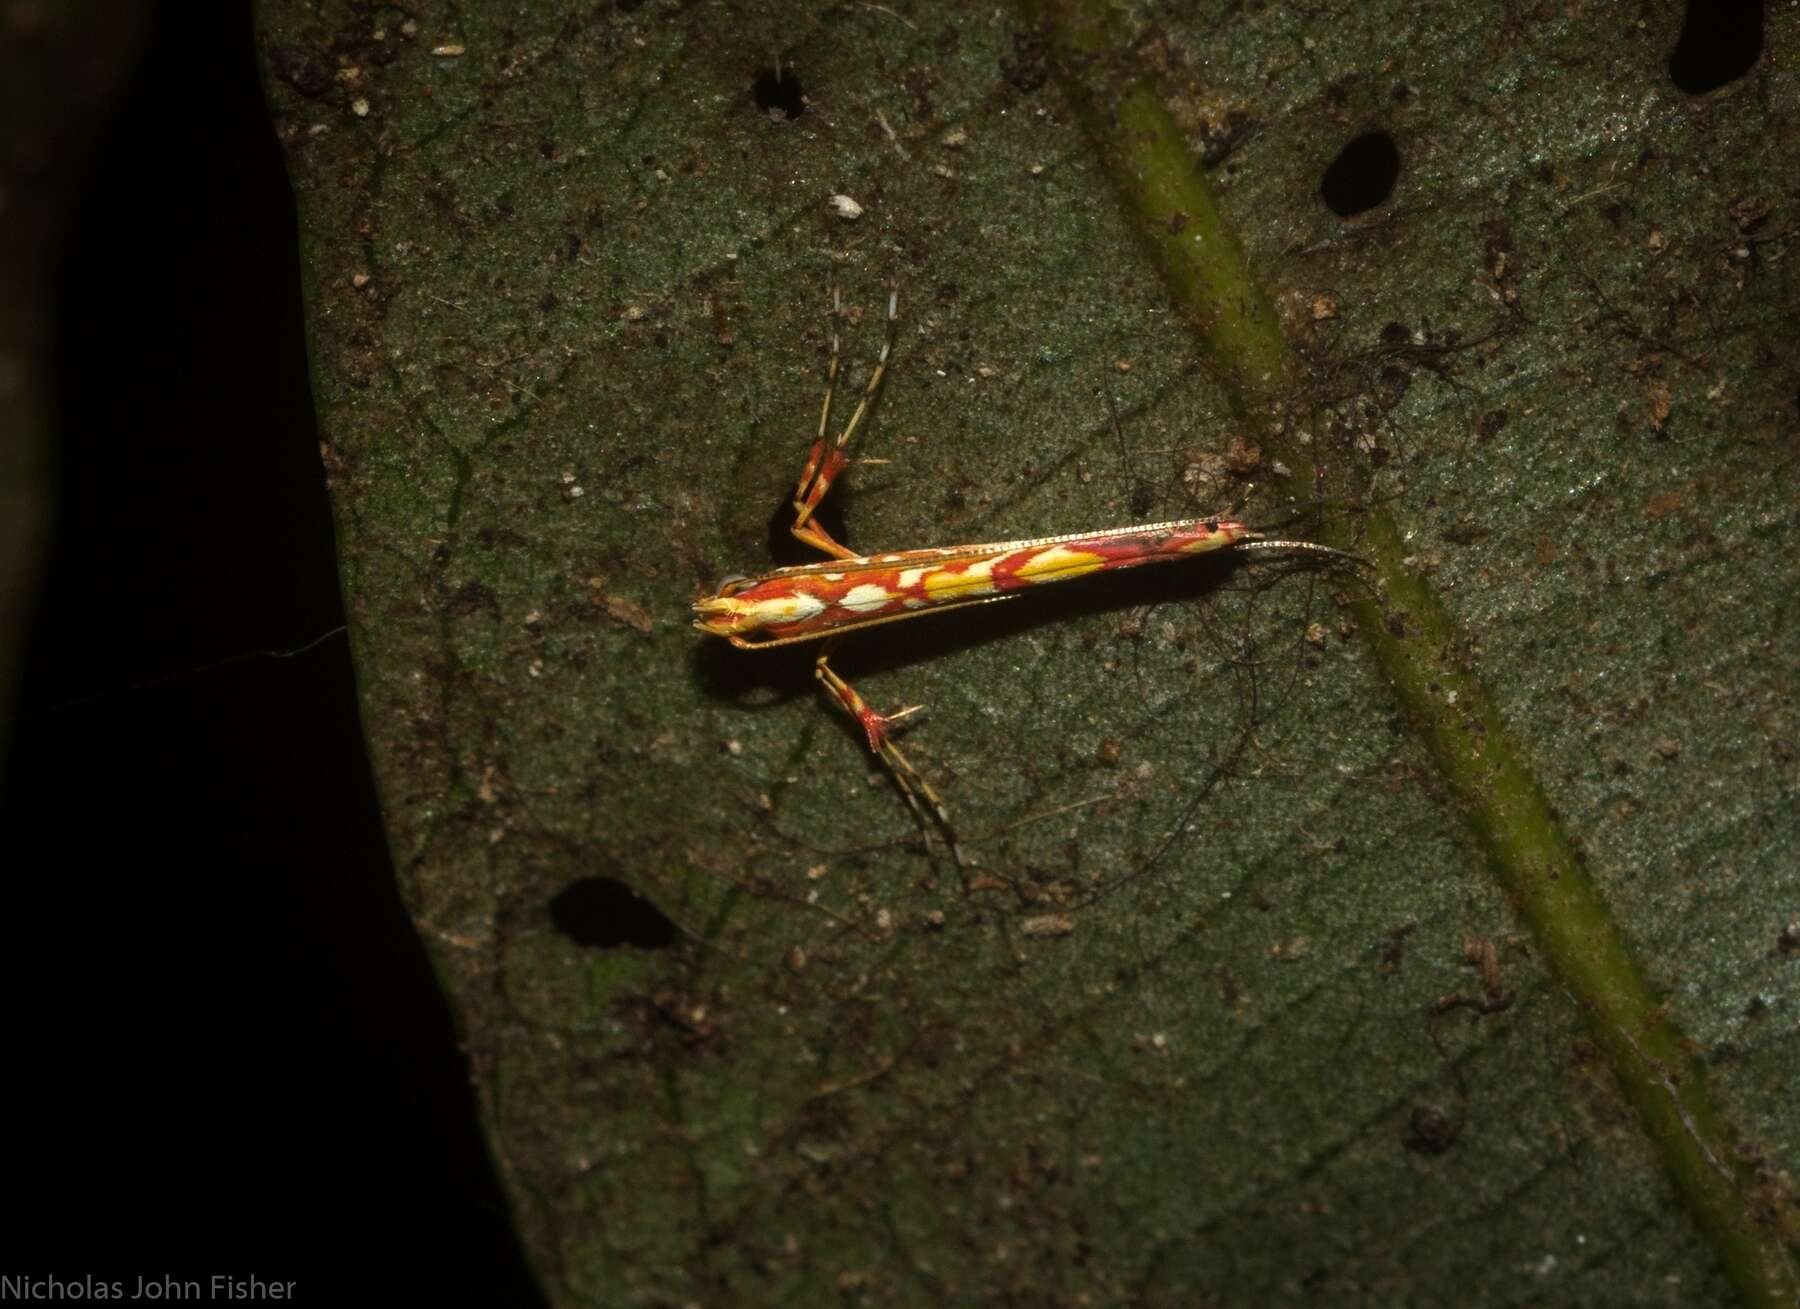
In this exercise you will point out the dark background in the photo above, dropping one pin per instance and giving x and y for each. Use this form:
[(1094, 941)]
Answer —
[(227, 1052)]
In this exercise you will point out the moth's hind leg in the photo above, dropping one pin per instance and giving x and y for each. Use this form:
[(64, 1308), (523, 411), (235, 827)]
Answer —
[(827, 459), (919, 793)]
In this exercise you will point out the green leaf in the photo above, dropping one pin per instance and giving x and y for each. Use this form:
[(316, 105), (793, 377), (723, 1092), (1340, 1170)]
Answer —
[(1297, 961)]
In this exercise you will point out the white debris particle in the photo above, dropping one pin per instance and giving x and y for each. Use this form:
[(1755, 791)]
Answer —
[(844, 207), (359, 107), (450, 51)]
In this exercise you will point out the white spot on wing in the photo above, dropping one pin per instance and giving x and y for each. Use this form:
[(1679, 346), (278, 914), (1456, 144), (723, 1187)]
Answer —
[(866, 599), (786, 609)]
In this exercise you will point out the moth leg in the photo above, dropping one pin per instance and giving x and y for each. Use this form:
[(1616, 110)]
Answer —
[(827, 459), (876, 727)]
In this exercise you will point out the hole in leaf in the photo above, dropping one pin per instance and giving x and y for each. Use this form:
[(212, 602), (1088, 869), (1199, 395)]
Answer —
[(1720, 41), (781, 91), (604, 913), (1362, 175), (1429, 1130)]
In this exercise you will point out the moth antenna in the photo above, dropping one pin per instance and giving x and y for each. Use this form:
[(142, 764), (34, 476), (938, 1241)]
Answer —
[(1303, 547)]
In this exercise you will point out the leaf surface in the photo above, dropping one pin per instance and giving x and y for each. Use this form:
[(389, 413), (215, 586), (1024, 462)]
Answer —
[(1235, 1007)]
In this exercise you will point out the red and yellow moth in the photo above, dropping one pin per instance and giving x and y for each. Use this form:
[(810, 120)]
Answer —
[(848, 592)]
